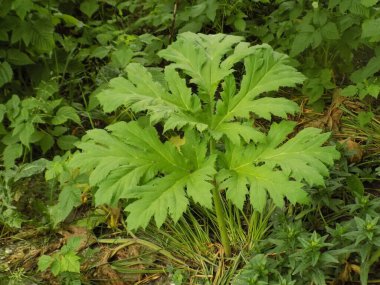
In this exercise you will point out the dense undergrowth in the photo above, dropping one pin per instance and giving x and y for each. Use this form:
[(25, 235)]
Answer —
[(189, 142)]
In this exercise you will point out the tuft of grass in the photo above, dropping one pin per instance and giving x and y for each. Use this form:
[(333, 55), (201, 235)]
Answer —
[(193, 240)]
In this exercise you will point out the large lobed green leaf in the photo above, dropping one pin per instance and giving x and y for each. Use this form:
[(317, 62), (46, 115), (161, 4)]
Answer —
[(276, 166), (124, 163), (203, 58), (159, 176)]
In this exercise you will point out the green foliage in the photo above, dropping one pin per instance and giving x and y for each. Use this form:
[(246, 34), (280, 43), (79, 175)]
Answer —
[(27, 28), (37, 120), (261, 270), (9, 214), (190, 15), (50, 62), (361, 234), (72, 187), (65, 260), (302, 257), (308, 262), (193, 130), (294, 256), (322, 36), (6, 73), (158, 177)]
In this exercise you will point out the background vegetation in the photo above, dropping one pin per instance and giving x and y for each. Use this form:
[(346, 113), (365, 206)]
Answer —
[(58, 65)]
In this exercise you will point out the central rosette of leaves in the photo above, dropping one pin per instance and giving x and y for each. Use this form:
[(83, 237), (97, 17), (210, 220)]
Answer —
[(219, 149)]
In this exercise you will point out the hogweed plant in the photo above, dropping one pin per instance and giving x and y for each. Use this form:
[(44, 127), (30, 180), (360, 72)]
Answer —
[(195, 140)]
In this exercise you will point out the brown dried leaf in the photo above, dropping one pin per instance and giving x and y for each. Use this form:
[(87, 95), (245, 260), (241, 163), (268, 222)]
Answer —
[(128, 252), (334, 119), (345, 275), (334, 113), (331, 118), (104, 270), (114, 217), (355, 268), (30, 259), (317, 123), (354, 149), (355, 106), (110, 276)]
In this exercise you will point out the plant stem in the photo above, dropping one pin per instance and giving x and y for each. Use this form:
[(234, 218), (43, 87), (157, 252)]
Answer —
[(220, 212), (375, 257), (221, 221)]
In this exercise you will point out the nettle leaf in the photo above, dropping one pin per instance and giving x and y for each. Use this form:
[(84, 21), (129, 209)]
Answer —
[(370, 29), (11, 153), (367, 71), (46, 90), (6, 73), (122, 56), (89, 7), (196, 133), (69, 262), (22, 7), (301, 42), (24, 131), (17, 57), (369, 3), (44, 262), (330, 31), (69, 198), (72, 244), (30, 169), (66, 142), (64, 114), (39, 34), (364, 118)]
